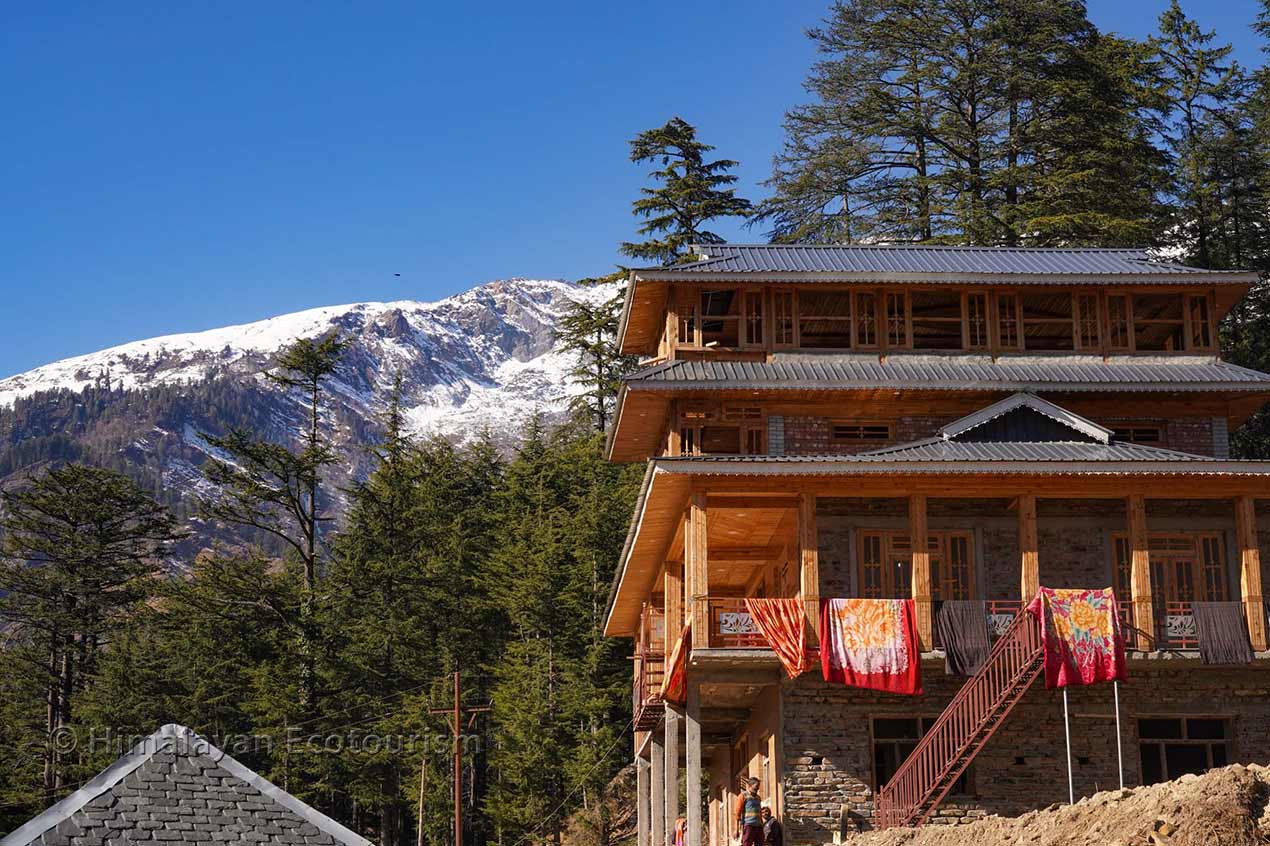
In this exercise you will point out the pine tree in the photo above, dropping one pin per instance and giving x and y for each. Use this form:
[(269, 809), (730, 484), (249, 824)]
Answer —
[(589, 332), (277, 489), (692, 192), (82, 549)]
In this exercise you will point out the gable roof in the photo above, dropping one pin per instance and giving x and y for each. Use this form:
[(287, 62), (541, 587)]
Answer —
[(1031, 264), (1027, 404), (176, 782)]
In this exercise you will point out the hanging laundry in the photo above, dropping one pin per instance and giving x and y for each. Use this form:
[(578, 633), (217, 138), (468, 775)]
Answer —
[(962, 628), (1082, 638), (782, 624), (870, 643), (1222, 631), (674, 685)]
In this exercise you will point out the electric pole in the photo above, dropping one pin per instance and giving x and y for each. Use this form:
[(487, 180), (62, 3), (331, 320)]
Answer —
[(454, 715)]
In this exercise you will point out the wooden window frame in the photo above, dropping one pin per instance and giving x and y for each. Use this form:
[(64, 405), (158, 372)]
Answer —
[(924, 724), (1207, 552), (1207, 323), (892, 545), (791, 296), (750, 296), (998, 337), (1109, 332), (967, 341), (862, 425), (960, 320), (905, 322), (1227, 740), (848, 318), (1131, 428), (1083, 321), (1178, 323), (1025, 322), (857, 315)]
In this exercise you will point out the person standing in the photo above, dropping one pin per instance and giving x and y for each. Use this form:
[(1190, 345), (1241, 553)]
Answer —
[(773, 834), (749, 818)]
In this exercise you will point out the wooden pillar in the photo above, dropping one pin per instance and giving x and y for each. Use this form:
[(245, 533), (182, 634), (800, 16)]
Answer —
[(657, 787), (673, 721), (692, 768), (809, 565), (643, 802), (921, 569), (1140, 572), (696, 570), (673, 591), (1029, 556), (1250, 571)]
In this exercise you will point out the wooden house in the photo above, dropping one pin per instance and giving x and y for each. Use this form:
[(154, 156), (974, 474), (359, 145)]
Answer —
[(937, 423)]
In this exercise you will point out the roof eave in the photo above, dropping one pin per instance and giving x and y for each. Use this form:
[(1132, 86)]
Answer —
[(1178, 279)]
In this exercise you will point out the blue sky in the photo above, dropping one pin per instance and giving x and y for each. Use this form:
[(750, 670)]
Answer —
[(169, 167)]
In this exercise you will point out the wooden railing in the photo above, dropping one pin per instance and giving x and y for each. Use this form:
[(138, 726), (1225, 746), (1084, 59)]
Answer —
[(731, 626), (969, 721), (647, 706), (1172, 629)]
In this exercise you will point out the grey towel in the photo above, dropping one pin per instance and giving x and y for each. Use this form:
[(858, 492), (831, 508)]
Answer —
[(1222, 632), (963, 632)]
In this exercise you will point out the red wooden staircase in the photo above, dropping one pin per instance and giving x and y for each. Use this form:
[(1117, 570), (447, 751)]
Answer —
[(966, 725)]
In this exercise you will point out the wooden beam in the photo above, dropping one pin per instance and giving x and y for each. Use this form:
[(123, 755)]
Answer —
[(809, 565), (674, 596), (696, 569), (922, 597), (1140, 572), (1250, 571), (1029, 555)]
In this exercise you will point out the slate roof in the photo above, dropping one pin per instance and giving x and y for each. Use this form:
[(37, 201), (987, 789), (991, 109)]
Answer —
[(794, 371), (176, 787), (1056, 265)]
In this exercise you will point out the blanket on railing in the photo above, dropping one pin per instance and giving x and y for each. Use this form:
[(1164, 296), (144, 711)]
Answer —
[(782, 624), (1222, 631), (674, 685), (1081, 635), (870, 643), (962, 627)]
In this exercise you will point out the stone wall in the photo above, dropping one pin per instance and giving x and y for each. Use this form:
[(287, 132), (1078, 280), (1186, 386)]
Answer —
[(828, 747)]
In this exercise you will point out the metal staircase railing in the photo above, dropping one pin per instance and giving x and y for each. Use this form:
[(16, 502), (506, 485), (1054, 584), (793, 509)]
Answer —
[(969, 721)]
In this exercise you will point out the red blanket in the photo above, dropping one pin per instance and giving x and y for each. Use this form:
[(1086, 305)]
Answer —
[(1081, 631), (870, 643), (782, 624)]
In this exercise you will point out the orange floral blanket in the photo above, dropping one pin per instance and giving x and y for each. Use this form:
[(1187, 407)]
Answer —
[(1081, 631), (870, 643), (781, 623)]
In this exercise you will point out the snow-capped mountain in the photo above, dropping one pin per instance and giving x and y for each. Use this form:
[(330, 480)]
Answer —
[(483, 359)]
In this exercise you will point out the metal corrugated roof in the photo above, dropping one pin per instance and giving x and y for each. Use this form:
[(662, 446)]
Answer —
[(940, 450), (932, 260), (837, 372)]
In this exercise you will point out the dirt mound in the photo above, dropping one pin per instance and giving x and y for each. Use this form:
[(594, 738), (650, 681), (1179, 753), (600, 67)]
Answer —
[(1224, 807)]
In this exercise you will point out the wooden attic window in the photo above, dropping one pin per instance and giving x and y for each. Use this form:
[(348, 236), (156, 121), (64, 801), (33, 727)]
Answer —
[(1047, 321), (824, 319), (1119, 321), (857, 431), (977, 321), (1158, 322), (1139, 433), (1199, 322)]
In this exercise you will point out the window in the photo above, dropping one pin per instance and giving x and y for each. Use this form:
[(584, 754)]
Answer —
[(977, 321), (1171, 747), (936, 317), (1185, 567), (1088, 326), (711, 429), (720, 318), (1047, 321), (824, 319), (753, 318), (866, 319), (1138, 433), (1118, 320), (854, 431), (886, 563), (897, 328), (894, 739), (783, 317), (1008, 337), (1201, 328), (1157, 322)]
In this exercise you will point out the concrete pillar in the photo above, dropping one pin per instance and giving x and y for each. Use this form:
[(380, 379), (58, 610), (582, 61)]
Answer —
[(692, 750), (657, 788), (674, 722), (643, 800)]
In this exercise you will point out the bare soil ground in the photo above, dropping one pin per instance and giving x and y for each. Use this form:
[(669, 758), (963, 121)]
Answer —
[(1224, 807)]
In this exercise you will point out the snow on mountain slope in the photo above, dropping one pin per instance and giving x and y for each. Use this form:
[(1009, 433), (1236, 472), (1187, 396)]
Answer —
[(483, 358)]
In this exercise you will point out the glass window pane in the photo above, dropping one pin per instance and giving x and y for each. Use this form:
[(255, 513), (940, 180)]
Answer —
[(1160, 729), (1206, 729)]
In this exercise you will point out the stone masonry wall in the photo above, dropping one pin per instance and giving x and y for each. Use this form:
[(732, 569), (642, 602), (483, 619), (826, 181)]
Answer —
[(828, 746)]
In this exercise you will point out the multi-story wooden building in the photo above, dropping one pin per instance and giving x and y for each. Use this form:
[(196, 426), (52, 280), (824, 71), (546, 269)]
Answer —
[(936, 423)]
